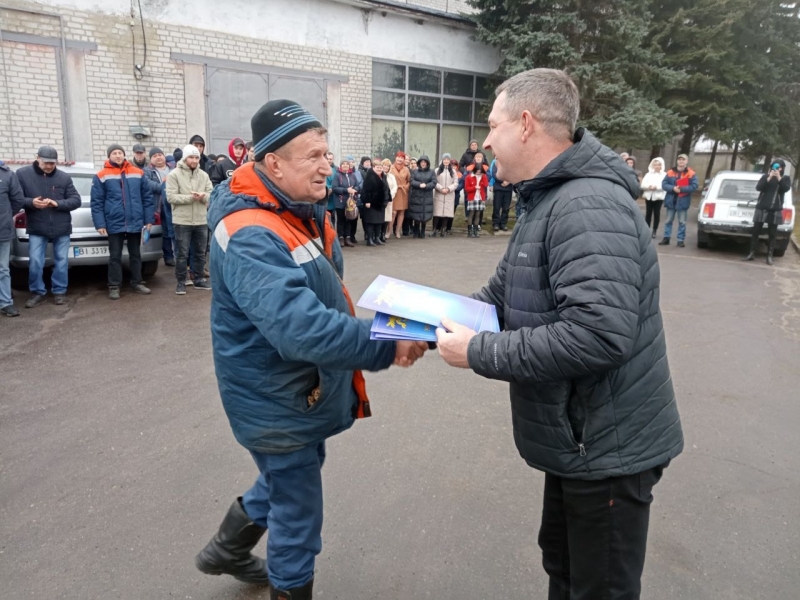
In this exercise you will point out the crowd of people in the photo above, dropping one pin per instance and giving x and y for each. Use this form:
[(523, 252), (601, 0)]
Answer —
[(401, 196)]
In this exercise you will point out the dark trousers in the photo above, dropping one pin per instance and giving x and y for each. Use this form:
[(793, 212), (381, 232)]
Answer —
[(372, 231), (115, 242), (594, 535), (167, 232), (196, 238), (407, 226), (418, 227), (346, 228), (653, 211), (772, 230), (500, 207), (449, 223)]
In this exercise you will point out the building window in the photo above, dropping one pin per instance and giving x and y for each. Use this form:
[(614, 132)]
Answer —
[(427, 111)]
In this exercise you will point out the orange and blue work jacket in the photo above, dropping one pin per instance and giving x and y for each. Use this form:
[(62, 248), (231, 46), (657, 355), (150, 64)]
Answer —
[(288, 350)]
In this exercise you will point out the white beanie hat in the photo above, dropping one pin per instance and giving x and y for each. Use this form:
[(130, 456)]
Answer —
[(190, 151)]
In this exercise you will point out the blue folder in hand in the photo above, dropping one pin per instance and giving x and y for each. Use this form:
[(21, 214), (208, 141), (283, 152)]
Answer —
[(417, 306)]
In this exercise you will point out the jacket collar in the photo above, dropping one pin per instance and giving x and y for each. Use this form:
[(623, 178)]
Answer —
[(39, 171)]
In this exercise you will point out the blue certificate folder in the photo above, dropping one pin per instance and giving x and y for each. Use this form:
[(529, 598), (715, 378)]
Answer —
[(411, 311)]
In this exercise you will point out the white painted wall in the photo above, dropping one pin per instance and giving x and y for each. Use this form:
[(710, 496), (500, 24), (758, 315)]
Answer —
[(317, 23)]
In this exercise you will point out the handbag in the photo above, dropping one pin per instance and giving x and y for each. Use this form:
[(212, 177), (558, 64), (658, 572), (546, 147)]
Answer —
[(351, 208)]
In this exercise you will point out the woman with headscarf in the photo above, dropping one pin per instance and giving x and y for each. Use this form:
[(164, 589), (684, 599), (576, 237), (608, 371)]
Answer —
[(392, 183), (402, 177), (444, 199), (653, 193), (420, 203), (769, 209)]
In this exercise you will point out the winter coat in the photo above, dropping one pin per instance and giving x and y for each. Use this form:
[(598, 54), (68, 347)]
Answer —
[(121, 199), (496, 183), (180, 185), (444, 198), (12, 200), (467, 158), (158, 187), (287, 348), (471, 184), (582, 339), (772, 192), (341, 182), (223, 169), (682, 200), (329, 184), (48, 222), (420, 202), (654, 179), (375, 193), (403, 180)]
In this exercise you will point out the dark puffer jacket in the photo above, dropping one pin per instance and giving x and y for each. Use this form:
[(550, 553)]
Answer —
[(49, 222), (420, 200), (583, 346), (11, 202), (374, 192)]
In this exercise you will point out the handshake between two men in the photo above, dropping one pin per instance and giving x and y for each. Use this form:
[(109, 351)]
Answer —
[(452, 341)]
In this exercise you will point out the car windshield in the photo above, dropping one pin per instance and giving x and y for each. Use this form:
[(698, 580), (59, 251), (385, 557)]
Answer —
[(83, 183), (743, 190)]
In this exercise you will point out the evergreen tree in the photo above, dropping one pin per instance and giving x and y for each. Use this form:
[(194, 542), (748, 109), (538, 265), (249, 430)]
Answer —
[(601, 44)]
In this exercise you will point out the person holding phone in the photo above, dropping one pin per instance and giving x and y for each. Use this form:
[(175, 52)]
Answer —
[(769, 209)]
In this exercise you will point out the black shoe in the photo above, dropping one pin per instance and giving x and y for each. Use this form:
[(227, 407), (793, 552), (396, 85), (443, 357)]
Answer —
[(59, 299), (228, 552), (9, 311), (503, 228), (769, 258), (749, 257), (377, 241), (35, 300), (664, 242), (301, 593), (382, 238), (353, 240), (170, 262), (370, 242), (681, 245)]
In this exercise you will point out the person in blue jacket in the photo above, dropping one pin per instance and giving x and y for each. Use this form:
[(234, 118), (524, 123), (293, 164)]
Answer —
[(122, 206), (680, 183), (288, 350)]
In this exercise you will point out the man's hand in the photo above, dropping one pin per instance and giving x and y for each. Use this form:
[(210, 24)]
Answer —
[(52, 203), (149, 226), (197, 196), (40, 202), (367, 205), (453, 343), (676, 189), (406, 352), (102, 231)]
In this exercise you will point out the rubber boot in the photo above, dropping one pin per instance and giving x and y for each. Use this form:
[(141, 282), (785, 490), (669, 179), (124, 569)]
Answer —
[(301, 593), (228, 552)]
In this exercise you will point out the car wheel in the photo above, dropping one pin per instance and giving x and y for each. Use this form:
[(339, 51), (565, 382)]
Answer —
[(702, 239), (780, 247), (19, 278), (149, 268)]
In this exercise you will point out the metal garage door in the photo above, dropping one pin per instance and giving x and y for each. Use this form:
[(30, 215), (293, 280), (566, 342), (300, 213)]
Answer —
[(234, 96)]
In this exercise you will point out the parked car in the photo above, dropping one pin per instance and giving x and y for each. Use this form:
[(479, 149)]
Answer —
[(87, 247), (728, 207)]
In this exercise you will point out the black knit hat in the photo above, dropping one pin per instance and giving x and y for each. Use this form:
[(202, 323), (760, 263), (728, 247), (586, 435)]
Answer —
[(155, 150), (113, 147), (277, 123), (177, 154)]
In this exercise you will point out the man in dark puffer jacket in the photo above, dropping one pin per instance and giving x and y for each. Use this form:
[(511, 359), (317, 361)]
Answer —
[(582, 344)]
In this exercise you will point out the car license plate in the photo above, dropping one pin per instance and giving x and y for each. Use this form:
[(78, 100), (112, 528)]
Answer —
[(741, 213), (89, 251)]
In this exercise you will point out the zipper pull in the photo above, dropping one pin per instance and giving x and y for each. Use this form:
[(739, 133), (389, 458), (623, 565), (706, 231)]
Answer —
[(582, 449)]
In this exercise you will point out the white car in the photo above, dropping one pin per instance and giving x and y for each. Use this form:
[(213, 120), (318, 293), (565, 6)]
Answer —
[(728, 207)]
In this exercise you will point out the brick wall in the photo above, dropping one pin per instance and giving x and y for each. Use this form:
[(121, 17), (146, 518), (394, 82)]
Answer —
[(117, 99), (32, 109)]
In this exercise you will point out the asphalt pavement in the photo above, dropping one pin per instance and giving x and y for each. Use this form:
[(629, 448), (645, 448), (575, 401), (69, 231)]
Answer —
[(117, 462)]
